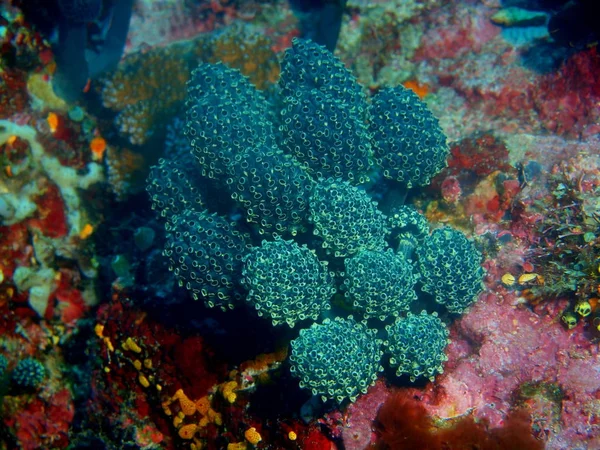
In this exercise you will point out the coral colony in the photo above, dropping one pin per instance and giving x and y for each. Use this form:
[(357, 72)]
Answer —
[(340, 225)]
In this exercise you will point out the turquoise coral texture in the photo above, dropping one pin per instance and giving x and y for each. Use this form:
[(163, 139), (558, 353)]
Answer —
[(379, 283), (28, 373), (409, 142), (286, 282), (416, 345), (338, 359), (232, 138), (322, 120), (407, 220), (307, 65), (293, 168), (205, 253), (450, 266), (346, 218), (171, 191), (225, 117)]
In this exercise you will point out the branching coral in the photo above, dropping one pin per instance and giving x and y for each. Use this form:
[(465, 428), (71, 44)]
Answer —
[(149, 87), (125, 170), (145, 84), (239, 48)]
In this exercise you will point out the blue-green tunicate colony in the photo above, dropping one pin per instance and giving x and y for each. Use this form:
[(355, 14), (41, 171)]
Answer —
[(28, 373), (307, 246)]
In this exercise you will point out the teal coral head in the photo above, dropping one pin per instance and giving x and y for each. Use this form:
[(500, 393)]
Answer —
[(450, 268), (286, 282), (326, 123), (379, 283), (28, 373), (410, 145), (171, 191), (205, 253), (307, 65), (346, 219), (323, 111), (231, 136), (416, 345), (338, 359)]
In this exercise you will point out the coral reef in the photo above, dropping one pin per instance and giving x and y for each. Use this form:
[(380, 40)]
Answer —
[(45, 194), (19, 204), (384, 31), (154, 24), (296, 205), (478, 73), (125, 171)]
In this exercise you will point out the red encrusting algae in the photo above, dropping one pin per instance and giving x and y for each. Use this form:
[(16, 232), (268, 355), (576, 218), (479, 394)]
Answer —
[(404, 423)]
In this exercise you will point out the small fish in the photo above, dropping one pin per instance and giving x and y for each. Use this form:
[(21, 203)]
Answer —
[(527, 278), (508, 279)]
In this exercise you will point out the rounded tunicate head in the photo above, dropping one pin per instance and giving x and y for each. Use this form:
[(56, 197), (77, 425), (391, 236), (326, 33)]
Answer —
[(450, 268), (205, 253), (338, 359), (409, 144), (286, 282), (379, 283), (346, 219), (416, 345), (28, 373)]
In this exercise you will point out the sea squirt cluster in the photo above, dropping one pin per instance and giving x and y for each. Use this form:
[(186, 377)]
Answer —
[(296, 168)]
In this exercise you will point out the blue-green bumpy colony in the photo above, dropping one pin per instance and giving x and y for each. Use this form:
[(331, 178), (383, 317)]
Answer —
[(312, 249), (28, 373), (337, 359)]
